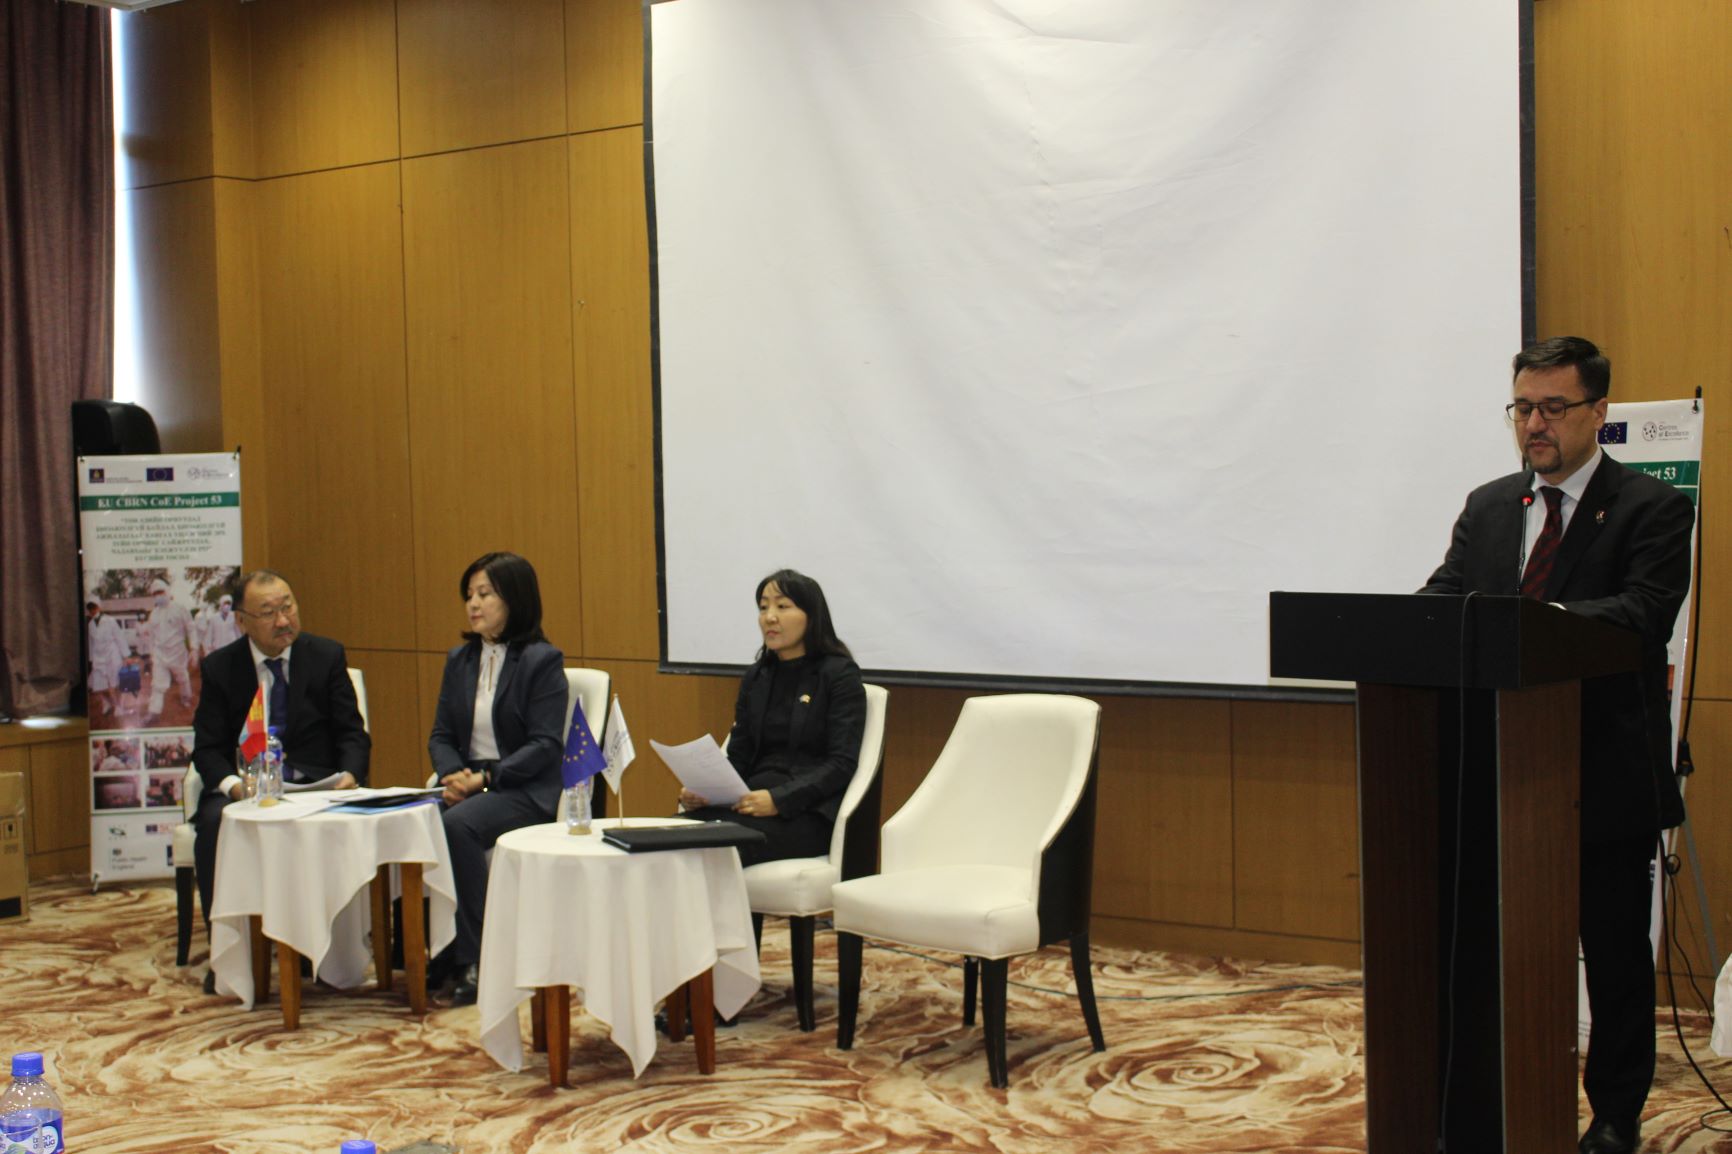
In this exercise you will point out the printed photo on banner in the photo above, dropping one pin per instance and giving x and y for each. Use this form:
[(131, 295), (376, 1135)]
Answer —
[(164, 790), (147, 630), (117, 792), (114, 755), (168, 751)]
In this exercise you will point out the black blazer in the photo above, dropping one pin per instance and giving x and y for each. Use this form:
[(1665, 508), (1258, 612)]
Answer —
[(824, 735), (1625, 559), (325, 733), (528, 718)]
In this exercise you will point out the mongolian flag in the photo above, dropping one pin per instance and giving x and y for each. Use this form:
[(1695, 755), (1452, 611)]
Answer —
[(253, 732)]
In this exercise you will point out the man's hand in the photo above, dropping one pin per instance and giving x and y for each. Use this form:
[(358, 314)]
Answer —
[(758, 803), (690, 800), (462, 784), (347, 781)]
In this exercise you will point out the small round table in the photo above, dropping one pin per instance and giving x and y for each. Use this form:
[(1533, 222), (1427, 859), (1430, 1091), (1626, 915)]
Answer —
[(626, 929)]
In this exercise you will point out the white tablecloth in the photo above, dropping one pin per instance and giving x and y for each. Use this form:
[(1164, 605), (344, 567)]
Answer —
[(307, 878), (625, 929)]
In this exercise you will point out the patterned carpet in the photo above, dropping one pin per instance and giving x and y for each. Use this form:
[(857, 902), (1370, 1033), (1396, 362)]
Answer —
[(1204, 1055)]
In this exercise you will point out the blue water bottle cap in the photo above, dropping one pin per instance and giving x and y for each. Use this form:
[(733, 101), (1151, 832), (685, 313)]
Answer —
[(359, 1146), (27, 1065), (272, 730)]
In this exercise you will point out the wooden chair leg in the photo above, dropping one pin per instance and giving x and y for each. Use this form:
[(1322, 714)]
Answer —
[(702, 998), (414, 936), (970, 983), (676, 1010), (995, 975), (758, 931), (261, 960), (183, 887), (1083, 973), (538, 1020), (800, 934), (555, 1002), (289, 978), (848, 951), (382, 928)]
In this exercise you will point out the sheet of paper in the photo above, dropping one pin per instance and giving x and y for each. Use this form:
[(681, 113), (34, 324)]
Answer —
[(704, 769), (329, 782)]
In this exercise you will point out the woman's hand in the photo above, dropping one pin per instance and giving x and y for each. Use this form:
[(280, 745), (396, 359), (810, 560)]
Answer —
[(690, 800), (758, 803), (462, 784)]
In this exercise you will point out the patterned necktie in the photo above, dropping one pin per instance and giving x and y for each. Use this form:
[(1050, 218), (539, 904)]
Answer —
[(1539, 570)]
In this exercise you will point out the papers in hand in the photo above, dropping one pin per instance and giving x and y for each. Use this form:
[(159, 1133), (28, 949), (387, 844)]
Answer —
[(704, 769), (329, 782)]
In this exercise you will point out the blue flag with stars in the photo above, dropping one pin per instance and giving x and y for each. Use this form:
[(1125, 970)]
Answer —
[(583, 757)]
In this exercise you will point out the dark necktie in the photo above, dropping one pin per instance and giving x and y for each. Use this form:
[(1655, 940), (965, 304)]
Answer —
[(277, 707), (1539, 571)]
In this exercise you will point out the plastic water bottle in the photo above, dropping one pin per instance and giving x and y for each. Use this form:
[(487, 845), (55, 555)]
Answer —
[(30, 1118), (270, 770), (577, 806), (358, 1146)]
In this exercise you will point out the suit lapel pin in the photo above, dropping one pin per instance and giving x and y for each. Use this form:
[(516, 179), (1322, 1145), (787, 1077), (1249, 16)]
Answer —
[(1600, 517), (805, 699)]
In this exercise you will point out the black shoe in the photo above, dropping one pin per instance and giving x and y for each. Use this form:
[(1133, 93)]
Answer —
[(1605, 1137), (468, 986), (210, 982)]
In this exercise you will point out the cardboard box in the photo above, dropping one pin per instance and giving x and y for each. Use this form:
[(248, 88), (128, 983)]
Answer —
[(14, 870)]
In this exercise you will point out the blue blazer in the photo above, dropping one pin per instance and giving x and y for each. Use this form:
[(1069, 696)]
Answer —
[(528, 718)]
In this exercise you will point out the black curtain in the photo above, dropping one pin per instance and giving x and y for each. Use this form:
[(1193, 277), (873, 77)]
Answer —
[(56, 324)]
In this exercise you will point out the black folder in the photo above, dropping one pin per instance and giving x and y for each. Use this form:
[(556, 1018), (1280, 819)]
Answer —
[(690, 835)]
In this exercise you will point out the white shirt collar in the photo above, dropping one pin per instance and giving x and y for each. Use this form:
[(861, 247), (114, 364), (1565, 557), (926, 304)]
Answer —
[(1576, 483), (259, 659)]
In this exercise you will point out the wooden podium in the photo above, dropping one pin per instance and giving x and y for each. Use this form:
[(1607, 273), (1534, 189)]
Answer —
[(1469, 737)]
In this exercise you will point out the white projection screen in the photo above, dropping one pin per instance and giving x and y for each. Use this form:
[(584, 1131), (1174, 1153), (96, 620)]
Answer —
[(1052, 336)]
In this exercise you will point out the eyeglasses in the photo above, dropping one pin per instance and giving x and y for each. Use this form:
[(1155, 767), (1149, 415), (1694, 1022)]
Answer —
[(1518, 412), (283, 609)]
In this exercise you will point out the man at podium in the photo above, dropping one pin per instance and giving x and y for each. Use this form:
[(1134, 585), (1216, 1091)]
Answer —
[(1579, 530)]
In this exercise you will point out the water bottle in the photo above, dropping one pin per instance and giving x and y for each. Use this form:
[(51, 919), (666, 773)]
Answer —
[(30, 1111), (271, 769), (358, 1146), (577, 806)]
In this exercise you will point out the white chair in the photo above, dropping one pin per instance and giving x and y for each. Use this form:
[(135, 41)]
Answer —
[(184, 877), (799, 888), (990, 858)]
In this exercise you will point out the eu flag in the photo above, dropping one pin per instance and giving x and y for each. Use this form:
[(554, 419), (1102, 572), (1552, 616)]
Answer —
[(583, 757)]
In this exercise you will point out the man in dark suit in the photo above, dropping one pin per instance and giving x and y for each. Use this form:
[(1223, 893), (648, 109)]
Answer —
[(1579, 530), (308, 696)]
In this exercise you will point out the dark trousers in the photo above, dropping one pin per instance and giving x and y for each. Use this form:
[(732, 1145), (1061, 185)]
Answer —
[(1616, 903), (471, 828), (807, 835), (206, 823)]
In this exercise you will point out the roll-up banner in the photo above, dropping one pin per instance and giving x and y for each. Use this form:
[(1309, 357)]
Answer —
[(1664, 440), (162, 542)]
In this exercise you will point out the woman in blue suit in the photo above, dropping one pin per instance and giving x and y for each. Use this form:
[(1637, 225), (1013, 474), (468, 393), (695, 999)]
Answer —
[(797, 725), (498, 736)]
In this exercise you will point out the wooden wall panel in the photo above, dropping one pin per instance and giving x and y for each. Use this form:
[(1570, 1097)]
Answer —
[(231, 100), (1634, 172), (1164, 838), (324, 83), (59, 796), (240, 401), (334, 374), (16, 759), (1295, 819), (166, 135), (615, 435), (604, 63), (488, 296), (180, 364), (393, 716), (472, 74)]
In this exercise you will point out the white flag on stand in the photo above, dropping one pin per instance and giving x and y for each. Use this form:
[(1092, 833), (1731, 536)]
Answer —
[(618, 749)]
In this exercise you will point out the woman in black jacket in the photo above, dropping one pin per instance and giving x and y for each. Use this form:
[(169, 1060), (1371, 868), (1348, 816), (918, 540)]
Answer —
[(498, 735), (797, 725)]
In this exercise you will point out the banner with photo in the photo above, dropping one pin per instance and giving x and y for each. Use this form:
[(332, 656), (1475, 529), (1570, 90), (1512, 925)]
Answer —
[(1664, 440), (161, 544)]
